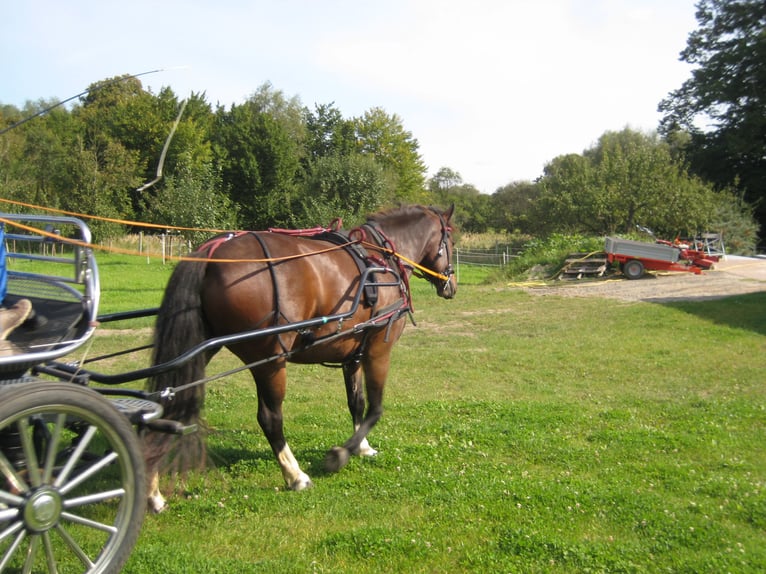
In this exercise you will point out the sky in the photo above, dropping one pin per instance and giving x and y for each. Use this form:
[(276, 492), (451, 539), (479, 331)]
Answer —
[(492, 89)]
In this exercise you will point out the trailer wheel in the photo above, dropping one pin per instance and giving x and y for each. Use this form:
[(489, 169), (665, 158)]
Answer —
[(72, 480), (633, 269)]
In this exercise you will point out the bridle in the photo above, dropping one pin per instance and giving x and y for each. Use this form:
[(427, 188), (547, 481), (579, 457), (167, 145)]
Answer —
[(438, 278)]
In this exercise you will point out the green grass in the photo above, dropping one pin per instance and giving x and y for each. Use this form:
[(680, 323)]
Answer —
[(521, 434)]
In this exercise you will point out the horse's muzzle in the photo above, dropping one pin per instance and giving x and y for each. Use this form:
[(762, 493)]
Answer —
[(448, 289)]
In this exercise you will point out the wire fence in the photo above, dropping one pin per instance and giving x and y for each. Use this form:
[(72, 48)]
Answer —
[(489, 258), (498, 256)]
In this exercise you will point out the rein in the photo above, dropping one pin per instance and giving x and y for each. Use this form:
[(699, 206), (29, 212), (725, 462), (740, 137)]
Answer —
[(416, 266), (391, 251)]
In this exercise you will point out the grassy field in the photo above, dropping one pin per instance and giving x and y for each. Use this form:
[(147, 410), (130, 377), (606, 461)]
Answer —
[(521, 434)]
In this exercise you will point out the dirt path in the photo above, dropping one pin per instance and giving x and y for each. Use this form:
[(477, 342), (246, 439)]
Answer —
[(734, 276)]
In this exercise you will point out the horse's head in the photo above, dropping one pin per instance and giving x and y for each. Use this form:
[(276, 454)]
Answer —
[(437, 259), (421, 238)]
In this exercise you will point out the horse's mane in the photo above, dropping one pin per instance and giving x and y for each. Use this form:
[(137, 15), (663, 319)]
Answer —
[(404, 210)]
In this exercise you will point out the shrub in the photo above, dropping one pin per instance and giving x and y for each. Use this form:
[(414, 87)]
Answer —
[(542, 257)]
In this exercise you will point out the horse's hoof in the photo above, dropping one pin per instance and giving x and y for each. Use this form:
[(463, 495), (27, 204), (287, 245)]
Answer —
[(365, 449), (302, 483), (157, 504), (336, 459)]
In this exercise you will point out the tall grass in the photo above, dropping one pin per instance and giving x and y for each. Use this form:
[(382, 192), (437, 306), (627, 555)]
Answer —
[(521, 434)]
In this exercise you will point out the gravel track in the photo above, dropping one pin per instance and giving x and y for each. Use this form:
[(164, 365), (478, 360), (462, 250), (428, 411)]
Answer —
[(733, 276)]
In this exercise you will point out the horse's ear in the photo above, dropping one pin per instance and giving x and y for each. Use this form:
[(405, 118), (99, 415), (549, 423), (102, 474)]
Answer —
[(448, 213)]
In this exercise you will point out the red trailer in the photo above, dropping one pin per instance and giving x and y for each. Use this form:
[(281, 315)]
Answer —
[(635, 257)]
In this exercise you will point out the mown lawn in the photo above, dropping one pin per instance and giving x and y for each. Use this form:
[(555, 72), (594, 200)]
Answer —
[(521, 434)]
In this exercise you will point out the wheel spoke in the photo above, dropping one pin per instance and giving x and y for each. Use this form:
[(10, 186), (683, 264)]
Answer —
[(33, 468), (88, 472), (50, 556), (34, 544), (88, 522), (94, 498), (13, 548), (12, 529), (50, 460), (8, 514), (10, 499), (74, 546), (76, 455), (13, 478)]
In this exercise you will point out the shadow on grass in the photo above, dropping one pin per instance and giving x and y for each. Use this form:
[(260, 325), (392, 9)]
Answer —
[(226, 457), (740, 311), (310, 459)]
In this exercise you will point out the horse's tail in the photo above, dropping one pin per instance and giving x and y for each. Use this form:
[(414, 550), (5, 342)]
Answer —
[(180, 325)]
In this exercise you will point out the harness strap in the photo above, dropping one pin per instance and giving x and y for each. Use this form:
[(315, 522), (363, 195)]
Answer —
[(390, 254), (272, 272), (358, 254), (214, 243), (387, 316)]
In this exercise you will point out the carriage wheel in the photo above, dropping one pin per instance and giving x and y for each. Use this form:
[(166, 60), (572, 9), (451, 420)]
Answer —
[(633, 269), (71, 480)]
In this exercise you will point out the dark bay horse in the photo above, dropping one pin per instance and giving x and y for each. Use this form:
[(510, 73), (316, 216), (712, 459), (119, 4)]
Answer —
[(268, 281)]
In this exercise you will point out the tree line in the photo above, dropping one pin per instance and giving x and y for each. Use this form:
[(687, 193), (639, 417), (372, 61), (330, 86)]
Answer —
[(269, 161), (273, 162), (626, 180)]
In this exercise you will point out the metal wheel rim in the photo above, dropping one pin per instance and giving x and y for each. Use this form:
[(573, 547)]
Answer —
[(39, 510)]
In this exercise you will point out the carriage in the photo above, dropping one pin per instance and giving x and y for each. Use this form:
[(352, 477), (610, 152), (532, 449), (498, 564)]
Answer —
[(78, 446)]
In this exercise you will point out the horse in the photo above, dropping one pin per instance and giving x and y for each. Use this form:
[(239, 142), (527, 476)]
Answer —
[(311, 299)]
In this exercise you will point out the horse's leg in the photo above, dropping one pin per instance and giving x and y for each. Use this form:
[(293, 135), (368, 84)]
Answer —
[(352, 375), (156, 500), (271, 393), (375, 374)]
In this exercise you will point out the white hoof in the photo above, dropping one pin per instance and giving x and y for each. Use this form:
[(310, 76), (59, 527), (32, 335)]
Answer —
[(157, 503), (303, 482), (365, 449)]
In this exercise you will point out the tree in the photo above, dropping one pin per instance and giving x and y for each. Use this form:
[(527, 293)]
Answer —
[(259, 160), (191, 198), (565, 194), (98, 183), (444, 180), (118, 112), (472, 208), (328, 133), (723, 104), (628, 178), (513, 207), (268, 161), (31, 155), (339, 181), (348, 187), (119, 109), (383, 137)]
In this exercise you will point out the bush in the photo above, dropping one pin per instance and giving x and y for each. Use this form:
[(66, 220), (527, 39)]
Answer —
[(734, 219), (543, 257)]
